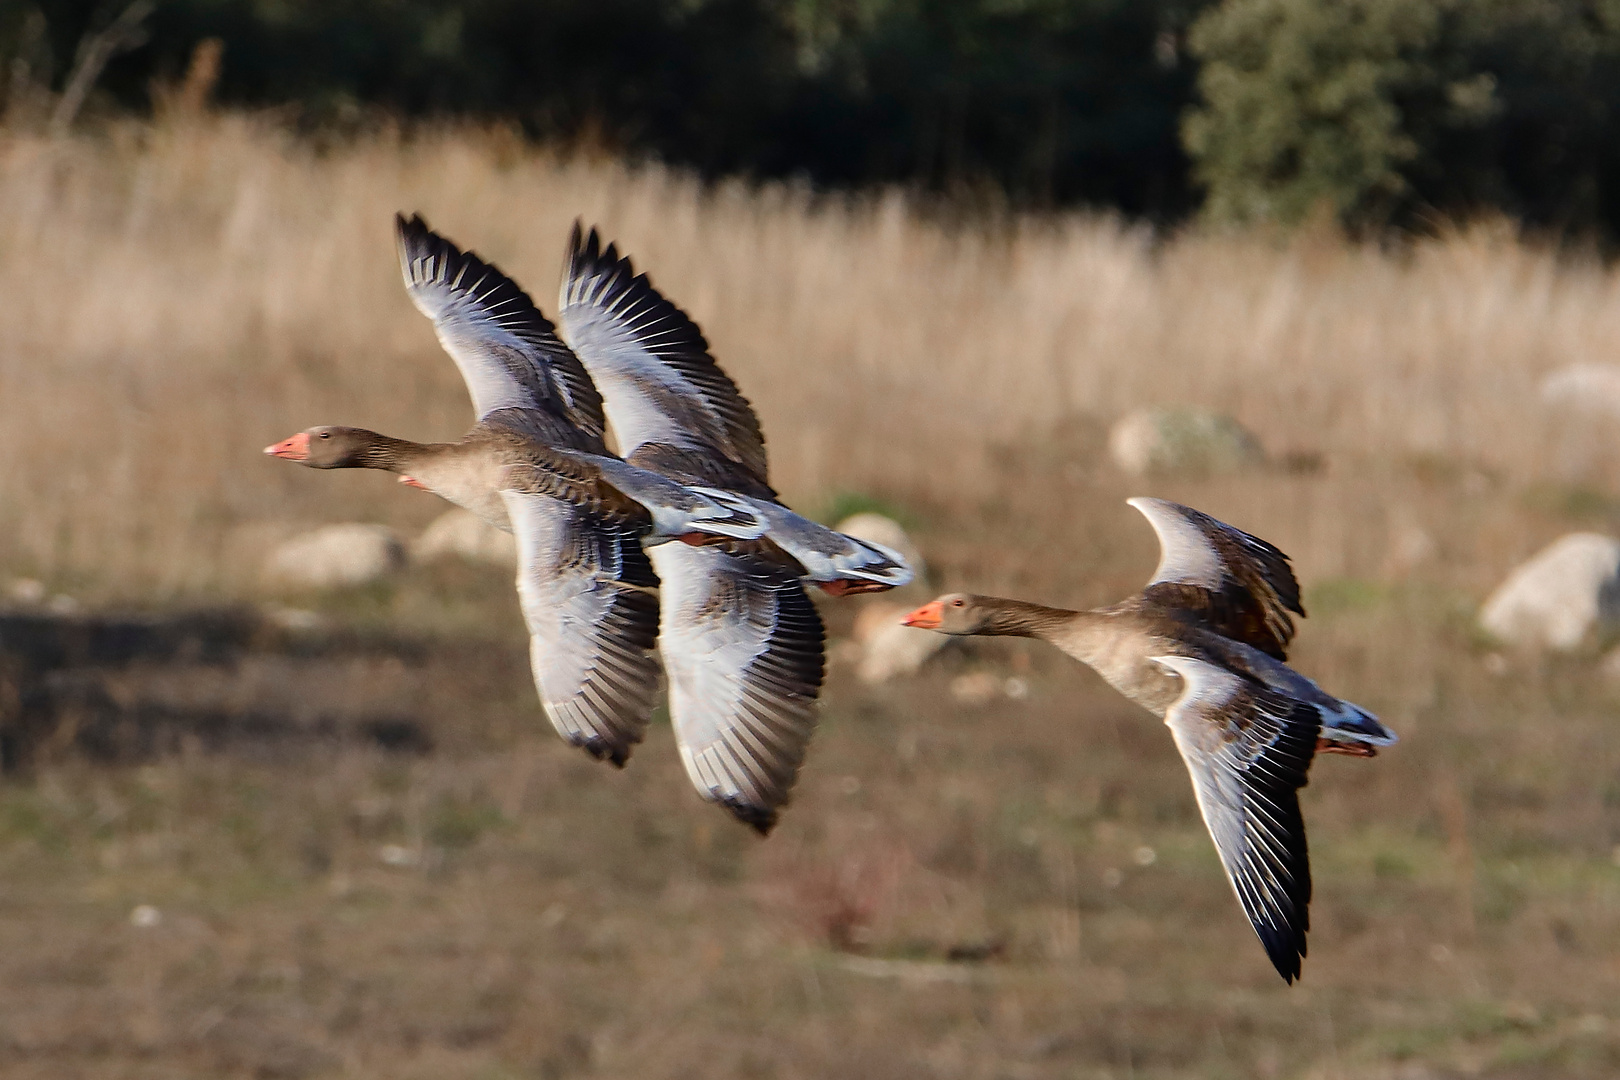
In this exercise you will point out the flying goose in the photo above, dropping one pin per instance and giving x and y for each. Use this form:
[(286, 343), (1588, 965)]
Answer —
[(742, 643), (1203, 647), (535, 463)]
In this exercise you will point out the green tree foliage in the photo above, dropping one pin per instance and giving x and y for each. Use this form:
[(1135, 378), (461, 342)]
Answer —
[(1302, 104), (1396, 110)]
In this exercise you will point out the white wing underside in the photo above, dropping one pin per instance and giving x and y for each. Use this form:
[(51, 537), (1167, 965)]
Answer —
[(1186, 555), (1247, 756), (592, 615), (646, 400), (507, 352), (742, 650)]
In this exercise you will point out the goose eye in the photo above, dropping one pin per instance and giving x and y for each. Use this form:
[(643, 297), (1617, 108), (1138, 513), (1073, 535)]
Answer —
[(326, 434), (957, 603)]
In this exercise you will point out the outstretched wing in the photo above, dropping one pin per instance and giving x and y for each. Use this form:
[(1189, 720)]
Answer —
[(507, 351), (1248, 750), (742, 645), (1237, 584), (652, 363), (588, 596)]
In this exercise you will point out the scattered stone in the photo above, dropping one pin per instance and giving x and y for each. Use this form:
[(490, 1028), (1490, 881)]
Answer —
[(889, 649), (461, 534), (982, 687), (878, 529), (1186, 440), (1561, 595), (1593, 389), (975, 688), (336, 555), (396, 855), (1410, 546), (26, 591), (296, 620), (145, 916)]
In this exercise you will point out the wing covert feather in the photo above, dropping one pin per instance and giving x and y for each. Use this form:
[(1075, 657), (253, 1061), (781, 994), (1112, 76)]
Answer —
[(1237, 584)]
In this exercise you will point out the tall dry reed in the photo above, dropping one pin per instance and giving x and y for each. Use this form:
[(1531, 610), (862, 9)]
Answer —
[(177, 296)]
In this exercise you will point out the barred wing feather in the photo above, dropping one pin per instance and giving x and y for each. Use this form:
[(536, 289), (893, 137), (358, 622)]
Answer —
[(652, 362), (588, 597), (743, 648), (1237, 584), (508, 353), (1248, 749)]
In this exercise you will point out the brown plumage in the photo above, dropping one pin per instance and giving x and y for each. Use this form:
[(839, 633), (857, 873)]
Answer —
[(535, 462), (1202, 647)]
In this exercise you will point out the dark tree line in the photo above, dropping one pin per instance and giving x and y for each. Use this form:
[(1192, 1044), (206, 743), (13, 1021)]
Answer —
[(1386, 112), (1047, 102)]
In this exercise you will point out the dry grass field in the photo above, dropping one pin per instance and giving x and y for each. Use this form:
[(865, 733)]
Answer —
[(1004, 889)]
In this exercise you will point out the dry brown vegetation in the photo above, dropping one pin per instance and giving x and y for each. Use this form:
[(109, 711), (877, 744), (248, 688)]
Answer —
[(176, 298)]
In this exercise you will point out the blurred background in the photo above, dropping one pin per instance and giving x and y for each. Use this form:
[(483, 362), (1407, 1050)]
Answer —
[(278, 800)]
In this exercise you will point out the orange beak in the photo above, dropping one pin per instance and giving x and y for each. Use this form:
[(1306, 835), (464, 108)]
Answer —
[(294, 448), (927, 617)]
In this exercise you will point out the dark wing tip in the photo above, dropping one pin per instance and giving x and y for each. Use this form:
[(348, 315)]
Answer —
[(1285, 947), (615, 754), (761, 819), (416, 238)]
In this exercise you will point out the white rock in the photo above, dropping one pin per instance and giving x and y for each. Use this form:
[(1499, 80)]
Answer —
[(1584, 388), (1163, 439), (1564, 592), (297, 620), (889, 649), (336, 555), (461, 534), (878, 529), (26, 591), (975, 687), (1410, 547)]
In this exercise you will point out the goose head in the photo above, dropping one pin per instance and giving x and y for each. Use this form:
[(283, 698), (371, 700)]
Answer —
[(954, 613), (962, 614), (328, 448)]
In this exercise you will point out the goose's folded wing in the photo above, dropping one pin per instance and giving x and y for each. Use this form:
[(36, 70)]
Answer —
[(652, 363), (613, 491), (1239, 585), (508, 353), (832, 557), (589, 599), (1248, 750), (742, 646)]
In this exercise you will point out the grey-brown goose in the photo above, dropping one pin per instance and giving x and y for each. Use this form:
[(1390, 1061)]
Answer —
[(1203, 648), (536, 462), (741, 641)]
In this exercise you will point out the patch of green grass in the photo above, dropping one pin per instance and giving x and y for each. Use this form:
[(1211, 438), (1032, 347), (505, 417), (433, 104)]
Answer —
[(1573, 501), (842, 504), (1339, 595), (457, 823)]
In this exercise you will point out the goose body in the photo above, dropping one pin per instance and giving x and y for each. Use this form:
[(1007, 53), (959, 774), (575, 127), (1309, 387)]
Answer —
[(1203, 647), (742, 644), (536, 463)]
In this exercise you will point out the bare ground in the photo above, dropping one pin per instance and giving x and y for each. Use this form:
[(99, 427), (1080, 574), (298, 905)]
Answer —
[(213, 866)]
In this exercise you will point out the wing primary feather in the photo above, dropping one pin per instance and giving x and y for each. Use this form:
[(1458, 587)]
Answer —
[(1247, 749)]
